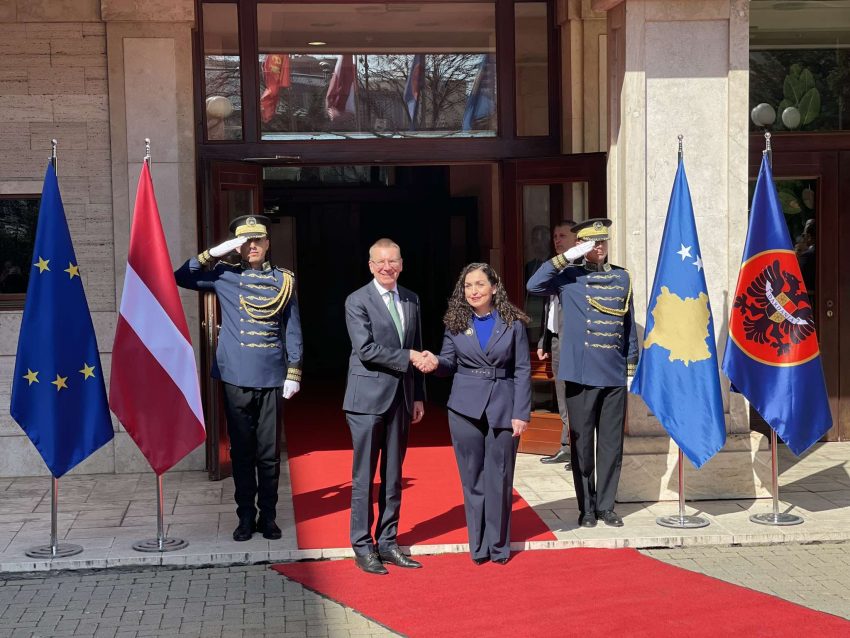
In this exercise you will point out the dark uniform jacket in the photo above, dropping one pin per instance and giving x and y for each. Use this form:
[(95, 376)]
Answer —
[(598, 336), (378, 360), (259, 345), (495, 380)]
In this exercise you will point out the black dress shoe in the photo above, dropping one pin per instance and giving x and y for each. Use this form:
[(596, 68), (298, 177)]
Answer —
[(501, 561), (269, 529), (370, 563), (587, 520), (559, 457), (245, 530), (610, 518), (395, 557), (481, 561), (568, 466)]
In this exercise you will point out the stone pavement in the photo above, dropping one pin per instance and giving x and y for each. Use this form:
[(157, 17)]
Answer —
[(106, 514), (255, 601)]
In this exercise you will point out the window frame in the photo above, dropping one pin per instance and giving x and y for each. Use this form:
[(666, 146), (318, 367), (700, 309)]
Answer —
[(14, 302)]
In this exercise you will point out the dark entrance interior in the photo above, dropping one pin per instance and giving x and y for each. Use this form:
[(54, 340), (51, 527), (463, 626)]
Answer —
[(330, 216)]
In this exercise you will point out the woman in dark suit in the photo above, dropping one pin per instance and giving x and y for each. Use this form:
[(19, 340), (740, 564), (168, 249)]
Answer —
[(486, 348)]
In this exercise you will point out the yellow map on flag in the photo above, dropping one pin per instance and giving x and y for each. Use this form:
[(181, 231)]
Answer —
[(681, 326)]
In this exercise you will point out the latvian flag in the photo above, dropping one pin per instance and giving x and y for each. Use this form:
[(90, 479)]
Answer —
[(154, 388)]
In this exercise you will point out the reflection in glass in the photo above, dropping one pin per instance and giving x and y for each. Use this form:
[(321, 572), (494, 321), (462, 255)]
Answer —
[(800, 63), (222, 83), (336, 71), (532, 70), (18, 219)]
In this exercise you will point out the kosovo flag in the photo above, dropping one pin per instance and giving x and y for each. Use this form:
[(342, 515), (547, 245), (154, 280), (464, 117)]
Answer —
[(772, 354), (58, 393), (677, 375)]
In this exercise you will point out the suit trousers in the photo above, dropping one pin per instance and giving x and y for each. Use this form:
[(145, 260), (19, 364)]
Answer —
[(373, 436), (254, 430), (486, 458), (559, 392), (599, 411)]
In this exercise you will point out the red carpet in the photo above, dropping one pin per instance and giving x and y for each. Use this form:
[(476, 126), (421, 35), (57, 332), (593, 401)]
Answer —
[(319, 448), (624, 594)]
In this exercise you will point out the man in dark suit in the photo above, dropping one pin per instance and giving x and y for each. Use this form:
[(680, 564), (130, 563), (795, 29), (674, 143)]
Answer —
[(383, 396)]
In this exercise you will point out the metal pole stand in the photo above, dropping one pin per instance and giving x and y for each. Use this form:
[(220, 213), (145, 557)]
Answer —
[(682, 521), (775, 517), (54, 550), (160, 543)]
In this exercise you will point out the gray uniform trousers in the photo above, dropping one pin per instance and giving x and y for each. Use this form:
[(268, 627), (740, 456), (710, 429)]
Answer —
[(559, 392), (596, 468), (485, 459)]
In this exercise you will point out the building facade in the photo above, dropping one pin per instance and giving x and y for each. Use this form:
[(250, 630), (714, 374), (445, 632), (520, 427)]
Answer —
[(463, 129)]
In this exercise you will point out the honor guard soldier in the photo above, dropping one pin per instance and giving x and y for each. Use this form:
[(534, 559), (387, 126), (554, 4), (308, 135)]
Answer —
[(599, 349), (259, 353)]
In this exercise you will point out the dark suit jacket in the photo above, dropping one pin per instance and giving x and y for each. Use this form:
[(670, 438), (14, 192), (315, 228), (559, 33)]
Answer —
[(378, 362), (501, 399)]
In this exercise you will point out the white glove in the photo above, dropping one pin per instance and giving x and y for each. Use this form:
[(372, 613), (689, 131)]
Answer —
[(290, 388), (229, 246), (574, 253)]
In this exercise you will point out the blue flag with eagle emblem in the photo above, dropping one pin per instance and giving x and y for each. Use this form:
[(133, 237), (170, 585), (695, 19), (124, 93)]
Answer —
[(677, 375), (58, 393), (772, 355)]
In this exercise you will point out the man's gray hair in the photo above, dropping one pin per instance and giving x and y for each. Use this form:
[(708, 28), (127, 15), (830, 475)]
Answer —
[(384, 242)]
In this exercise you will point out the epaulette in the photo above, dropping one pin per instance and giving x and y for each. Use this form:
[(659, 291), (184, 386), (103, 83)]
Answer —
[(285, 270)]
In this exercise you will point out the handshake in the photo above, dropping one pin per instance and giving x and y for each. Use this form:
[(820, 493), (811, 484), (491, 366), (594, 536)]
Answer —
[(425, 361)]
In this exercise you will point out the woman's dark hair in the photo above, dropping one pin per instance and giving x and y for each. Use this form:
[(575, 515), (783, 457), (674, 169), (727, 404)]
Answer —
[(459, 311)]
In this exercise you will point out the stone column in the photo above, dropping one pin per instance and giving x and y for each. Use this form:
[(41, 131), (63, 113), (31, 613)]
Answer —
[(681, 67), (149, 58)]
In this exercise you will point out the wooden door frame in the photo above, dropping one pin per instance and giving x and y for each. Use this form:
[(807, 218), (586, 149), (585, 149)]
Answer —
[(218, 177)]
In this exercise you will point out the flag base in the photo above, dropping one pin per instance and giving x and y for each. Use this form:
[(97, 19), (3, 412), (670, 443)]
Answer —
[(62, 550), (681, 522), (157, 545), (778, 518)]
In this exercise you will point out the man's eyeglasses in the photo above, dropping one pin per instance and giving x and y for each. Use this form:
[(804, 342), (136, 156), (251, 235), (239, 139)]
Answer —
[(392, 263)]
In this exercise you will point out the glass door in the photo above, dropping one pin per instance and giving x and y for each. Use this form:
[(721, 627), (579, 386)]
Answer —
[(539, 194)]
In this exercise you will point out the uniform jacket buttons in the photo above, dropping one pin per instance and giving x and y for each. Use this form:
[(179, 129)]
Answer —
[(242, 332)]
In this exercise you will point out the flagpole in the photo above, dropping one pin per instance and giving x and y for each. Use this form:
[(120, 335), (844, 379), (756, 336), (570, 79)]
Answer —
[(55, 549), (775, 517), (160, 543), (682, 521)]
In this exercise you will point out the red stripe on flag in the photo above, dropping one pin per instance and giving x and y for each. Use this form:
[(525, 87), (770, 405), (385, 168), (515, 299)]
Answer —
[(148, 254), (151, 407)]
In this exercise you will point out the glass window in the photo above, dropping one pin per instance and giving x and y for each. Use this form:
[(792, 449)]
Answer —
[(800, 65), (532, 69), (339, 71), (18, 219), (223, 85)]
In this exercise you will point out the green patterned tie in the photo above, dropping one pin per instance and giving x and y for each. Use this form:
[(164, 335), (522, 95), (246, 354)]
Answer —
[(394, 314)]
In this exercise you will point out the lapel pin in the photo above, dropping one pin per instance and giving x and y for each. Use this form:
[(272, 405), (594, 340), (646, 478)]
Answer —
[(468, 332)]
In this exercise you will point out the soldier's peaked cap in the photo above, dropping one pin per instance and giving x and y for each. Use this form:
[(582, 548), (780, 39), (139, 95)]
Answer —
[(250, 226), (596, 229)]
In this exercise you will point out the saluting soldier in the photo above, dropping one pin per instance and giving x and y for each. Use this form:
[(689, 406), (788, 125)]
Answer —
[(599, 349), (259, 352)]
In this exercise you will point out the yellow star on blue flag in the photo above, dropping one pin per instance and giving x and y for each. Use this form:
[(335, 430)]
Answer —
[(67, 418)]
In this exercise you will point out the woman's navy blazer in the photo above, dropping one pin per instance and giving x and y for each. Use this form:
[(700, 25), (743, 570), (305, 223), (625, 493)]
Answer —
[(495, 380)]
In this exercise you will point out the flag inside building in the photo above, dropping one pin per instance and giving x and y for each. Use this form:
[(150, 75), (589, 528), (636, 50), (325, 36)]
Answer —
[(58, 393), (154, 389), (677, 374), (413, 87), (772, 354)]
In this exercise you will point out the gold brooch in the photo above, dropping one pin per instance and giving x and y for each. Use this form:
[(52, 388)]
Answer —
[(469, 331)]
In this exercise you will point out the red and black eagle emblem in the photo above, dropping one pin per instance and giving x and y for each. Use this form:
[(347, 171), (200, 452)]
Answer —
[(776, 310)]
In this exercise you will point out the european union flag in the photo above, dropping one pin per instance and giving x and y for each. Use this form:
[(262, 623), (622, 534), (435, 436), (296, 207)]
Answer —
[(772, 355), (677, 374), (58, 393), (481, 103)]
